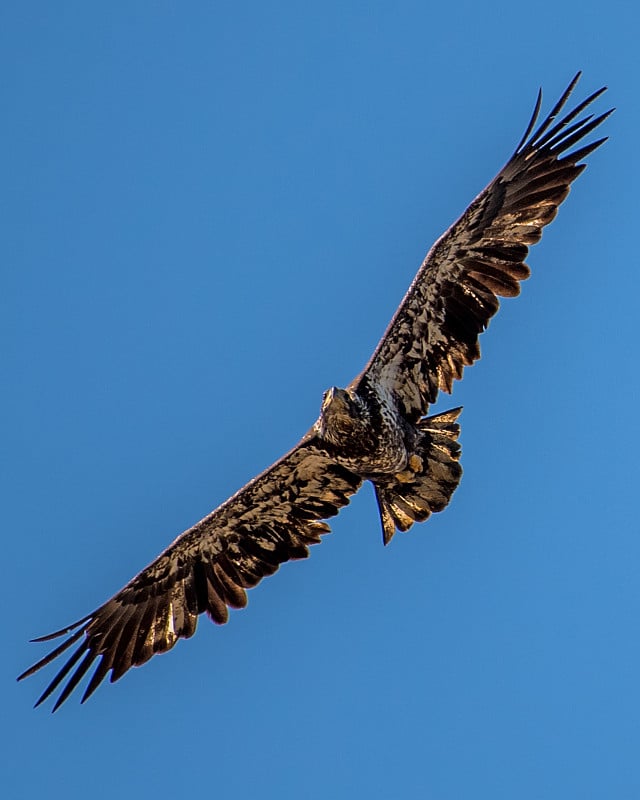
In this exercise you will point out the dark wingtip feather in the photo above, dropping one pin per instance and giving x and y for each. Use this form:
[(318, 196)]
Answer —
[(532, 121), (540, 142), (555, 110), (568, 138), (74, 680), (62, 674), (547, 135), (583, 152), (96, 679), (555, 139), (62, 631), (52, 655)]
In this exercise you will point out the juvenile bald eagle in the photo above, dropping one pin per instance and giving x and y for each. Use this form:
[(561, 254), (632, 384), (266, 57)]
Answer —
[(375, 429)]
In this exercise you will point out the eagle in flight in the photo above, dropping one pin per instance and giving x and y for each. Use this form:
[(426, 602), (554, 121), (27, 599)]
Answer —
[(376, 429)]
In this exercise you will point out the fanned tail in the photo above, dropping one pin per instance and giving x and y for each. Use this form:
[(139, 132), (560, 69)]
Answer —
[(431, 477)]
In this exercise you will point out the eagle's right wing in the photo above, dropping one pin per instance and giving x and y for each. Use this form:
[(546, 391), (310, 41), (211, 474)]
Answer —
[(207, 568)]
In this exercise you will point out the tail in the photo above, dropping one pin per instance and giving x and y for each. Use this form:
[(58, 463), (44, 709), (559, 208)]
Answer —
[(430, 479)]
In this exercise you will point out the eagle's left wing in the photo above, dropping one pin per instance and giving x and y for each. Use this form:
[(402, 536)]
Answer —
[(207, 568), (434, 333)]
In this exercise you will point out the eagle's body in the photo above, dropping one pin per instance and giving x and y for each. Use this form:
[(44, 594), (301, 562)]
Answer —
[(413, 466), (364, 429), (376, 429)]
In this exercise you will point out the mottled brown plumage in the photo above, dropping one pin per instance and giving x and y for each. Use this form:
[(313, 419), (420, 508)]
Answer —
[(375, 429)]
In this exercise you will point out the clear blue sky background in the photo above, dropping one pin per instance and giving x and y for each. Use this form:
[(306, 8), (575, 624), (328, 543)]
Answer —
[(210, 212)]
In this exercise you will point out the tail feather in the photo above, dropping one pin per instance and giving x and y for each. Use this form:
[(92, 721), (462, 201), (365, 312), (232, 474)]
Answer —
[(428, 485)]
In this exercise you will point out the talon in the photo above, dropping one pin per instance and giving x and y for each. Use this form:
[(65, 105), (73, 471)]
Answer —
[(406, 476), (415, 463)]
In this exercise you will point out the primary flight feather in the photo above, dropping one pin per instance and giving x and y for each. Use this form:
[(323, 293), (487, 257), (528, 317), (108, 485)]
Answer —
[(376, 429)]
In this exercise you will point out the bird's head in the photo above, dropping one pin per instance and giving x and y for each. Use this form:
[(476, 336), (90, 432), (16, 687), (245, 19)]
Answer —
[(342, 414), (336, 401)]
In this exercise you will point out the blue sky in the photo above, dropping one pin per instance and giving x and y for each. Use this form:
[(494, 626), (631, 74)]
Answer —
[(211, 212)]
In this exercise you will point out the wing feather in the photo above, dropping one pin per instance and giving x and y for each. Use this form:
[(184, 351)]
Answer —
[(434, 334), (207, 569)]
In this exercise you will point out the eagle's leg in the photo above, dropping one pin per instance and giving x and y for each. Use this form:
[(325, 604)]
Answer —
[(414, 468)]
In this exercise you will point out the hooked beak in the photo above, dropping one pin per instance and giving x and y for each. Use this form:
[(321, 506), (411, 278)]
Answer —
[(336, 399)]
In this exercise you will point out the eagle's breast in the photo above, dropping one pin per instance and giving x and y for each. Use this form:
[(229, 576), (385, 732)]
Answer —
[(364, 429)]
